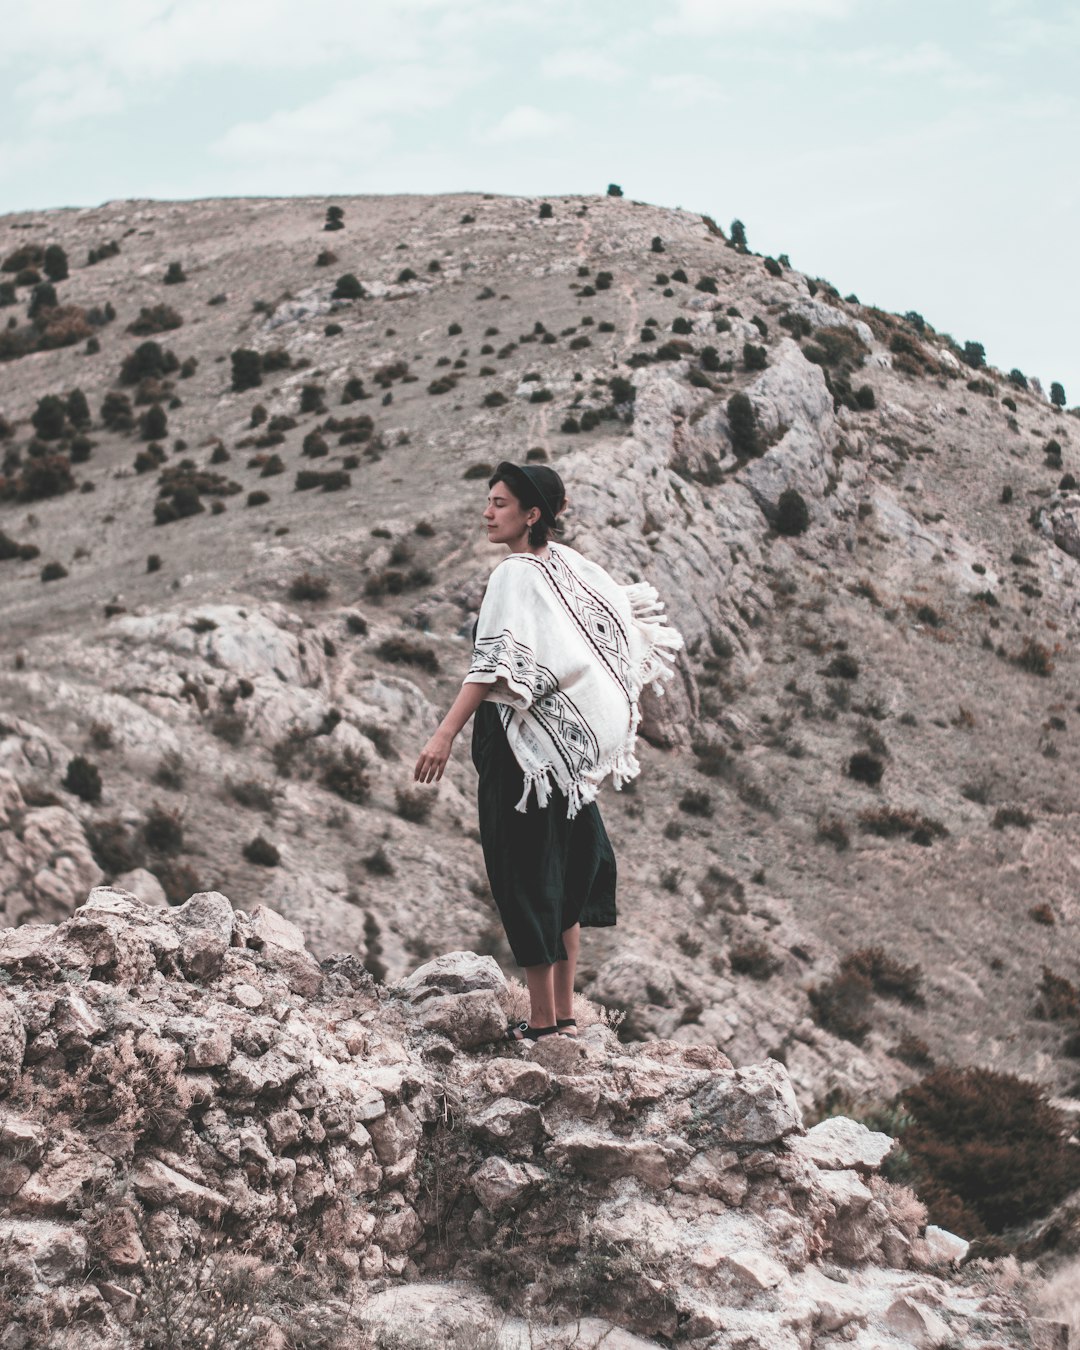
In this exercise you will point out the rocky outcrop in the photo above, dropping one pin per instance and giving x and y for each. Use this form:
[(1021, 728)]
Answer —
[(46, 865), (174, 1075)]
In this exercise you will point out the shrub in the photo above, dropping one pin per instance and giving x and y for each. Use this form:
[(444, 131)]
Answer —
[(77, 408), (602, 281), (311, 398), (889, 822), (773, 267), (116, 412), (83, 779), (887, 976), (415, 806), (753, 957), (405, 651), (48, 417), (494, 399), (706, 284), (842, 1005), (113, 848), (174, 274), (614, 190), (261, 852), (696, 802), (246, 370), (42, 298), (742, 424), (833, 829), (657, 246), (163, 830), (53, 571), (1034, 658), (26, 255), (987, 1143), (681, 325), (42, 477), (154, 423), (545, 211), (865, 768), (378, 863), (754, 357), (792, 515), (55, 263), (1012, 815), (1058, 998), (345, 775), (737, 234), (155, 319), (309, 587), (479, 470)]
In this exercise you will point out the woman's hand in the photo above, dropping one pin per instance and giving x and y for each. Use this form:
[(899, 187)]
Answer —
[(433, 758)]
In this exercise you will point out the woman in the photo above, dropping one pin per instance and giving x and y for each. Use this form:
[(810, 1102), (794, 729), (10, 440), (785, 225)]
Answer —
[(561, 653)]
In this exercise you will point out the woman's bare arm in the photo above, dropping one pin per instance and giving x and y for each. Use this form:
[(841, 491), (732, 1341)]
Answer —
[(434, 756)]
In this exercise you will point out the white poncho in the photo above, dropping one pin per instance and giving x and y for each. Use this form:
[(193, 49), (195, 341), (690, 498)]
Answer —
[(567, 651)]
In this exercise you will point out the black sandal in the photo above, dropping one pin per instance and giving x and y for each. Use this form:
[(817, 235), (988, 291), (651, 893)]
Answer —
[(561, 1022), (521, 1031)]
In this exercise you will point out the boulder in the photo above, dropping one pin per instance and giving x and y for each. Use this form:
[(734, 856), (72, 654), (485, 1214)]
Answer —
[(755, 1105), (944, 1248), (918, 1326), (512, 1125), (283, 950), (840, 1142), (467, 1020), (144, 886), (12, 1043), (603, 1158), (57, 1252), (501, 1185), (453, 973), (158, 1185), (527, 1081), (205, 923)]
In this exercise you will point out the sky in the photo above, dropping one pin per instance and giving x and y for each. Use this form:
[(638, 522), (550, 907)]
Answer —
[(915, 154)]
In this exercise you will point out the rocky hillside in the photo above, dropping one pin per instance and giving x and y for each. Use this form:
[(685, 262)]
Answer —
[(240, 553), (210, 1138)]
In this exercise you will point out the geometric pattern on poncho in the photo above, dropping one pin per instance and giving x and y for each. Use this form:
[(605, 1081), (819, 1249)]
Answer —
[(550, 707)]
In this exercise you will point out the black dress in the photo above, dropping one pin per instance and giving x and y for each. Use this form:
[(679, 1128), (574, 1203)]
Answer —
[(546, 872)]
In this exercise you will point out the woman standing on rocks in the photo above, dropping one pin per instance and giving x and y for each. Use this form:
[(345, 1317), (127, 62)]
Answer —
[(561, 654)]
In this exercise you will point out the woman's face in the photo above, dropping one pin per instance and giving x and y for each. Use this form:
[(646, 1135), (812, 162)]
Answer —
[(506, 519)]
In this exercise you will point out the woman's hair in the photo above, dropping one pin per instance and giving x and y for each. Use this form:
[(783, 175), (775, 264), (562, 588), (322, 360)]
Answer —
[(535, 485)]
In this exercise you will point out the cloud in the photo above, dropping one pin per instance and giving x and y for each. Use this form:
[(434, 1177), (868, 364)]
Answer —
[(709, 17), (578, 62), (526, 123), (689, 90), (349, 122), (56, 95)]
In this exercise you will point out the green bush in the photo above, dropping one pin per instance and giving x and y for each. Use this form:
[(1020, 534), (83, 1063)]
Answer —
[(742, 424), (657, 246), (405, 651), (974, 355), (792, 515), (865, 768), (154, 423), (155, 319), (773, 267), (707, 284), (309, 587), (842, 1005), (614, 190), (49, 417), (83, 779), (754, 356), (737, 234), (149, 361), (262, 852), (163, 830), (1057, 394), (246, 370), (174, 274)]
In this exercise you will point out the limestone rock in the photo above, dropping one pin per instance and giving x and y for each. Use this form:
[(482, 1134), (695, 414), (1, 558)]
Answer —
[(499, 1184), (454, 973), (283, 949), (943, 1247), (919, 1326), (604, 1158), (1059, 520), (840, 1142), (205, 922), (512, 1125), (144, 886), (527, 1081), (755, 1105), (158, 1184), (468, 1020), (57, 1252), (12, 1043)]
